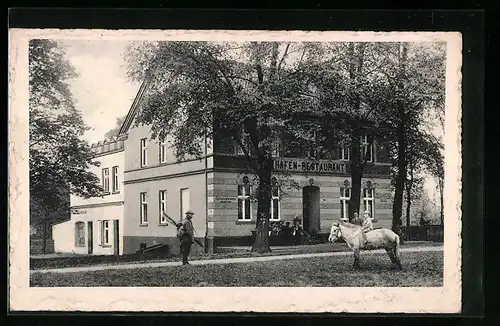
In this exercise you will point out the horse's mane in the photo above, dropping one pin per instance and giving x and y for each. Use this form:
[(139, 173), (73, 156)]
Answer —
[(349, 225)]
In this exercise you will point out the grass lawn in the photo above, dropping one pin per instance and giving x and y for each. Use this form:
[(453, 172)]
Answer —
[(86, 260), (419, 269)]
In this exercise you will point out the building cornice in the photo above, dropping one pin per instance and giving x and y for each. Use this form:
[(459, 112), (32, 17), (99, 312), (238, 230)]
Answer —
[(114, 203)]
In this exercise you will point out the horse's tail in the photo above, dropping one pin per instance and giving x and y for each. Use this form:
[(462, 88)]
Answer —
[(396, 252), (396, 247)]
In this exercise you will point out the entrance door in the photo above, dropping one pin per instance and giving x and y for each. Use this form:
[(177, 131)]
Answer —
[(116, 239), (90, 238), (310, 202), (184, 201)]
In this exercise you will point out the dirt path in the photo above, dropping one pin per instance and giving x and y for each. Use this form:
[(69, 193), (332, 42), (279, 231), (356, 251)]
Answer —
[(219, 261)]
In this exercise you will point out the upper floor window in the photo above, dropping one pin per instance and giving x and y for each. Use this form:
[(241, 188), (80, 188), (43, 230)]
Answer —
[(163, 151), (245, 141), (105, 180), (313, 150), (345, 153), (277, 148), (116, 179), (367, 148), (144, 152)]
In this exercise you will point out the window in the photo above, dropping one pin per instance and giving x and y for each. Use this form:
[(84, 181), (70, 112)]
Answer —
[(245, 140), (345, 195), (163, 151), (345, 153), (185, 201), (162, 199), (275, 201), (116, 180), (277, 148), (244, 202), (105, 233), (144, 208), (367, 148), (369, 200), (313, 151), (144, 152), (105, 180), (80, 234)]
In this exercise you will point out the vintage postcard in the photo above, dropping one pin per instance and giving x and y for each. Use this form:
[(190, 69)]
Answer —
[(234, 171)]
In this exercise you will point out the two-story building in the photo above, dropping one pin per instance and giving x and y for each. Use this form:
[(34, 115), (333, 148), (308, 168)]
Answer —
[(96, 224), (218, 188)]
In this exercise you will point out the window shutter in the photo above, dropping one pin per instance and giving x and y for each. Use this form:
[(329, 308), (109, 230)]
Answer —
[(99, 232)]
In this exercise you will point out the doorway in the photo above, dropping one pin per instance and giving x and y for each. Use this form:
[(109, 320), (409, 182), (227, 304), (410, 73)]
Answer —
[(311, 210), (116, 237), (90, 238)]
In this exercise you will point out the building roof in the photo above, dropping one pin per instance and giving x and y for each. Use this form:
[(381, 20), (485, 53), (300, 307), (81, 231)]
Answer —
[(134, 107)]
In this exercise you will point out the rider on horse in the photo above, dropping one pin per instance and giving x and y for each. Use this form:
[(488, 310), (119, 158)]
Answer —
[(365, 223)]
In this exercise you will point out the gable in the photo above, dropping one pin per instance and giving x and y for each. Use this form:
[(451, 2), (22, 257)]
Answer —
[(134, 107)]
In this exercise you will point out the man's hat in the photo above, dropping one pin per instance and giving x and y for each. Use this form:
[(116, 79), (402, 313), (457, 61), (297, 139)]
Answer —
[(190, 212)]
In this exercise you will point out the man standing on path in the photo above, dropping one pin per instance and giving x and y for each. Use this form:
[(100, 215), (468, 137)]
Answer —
[(185, 234)]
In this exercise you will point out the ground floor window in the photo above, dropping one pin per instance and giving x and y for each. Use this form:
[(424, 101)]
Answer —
[(144, 208), (275, 203), (244, 202), (345, 195), (163, 206), (80, 234), (105, 235), (369, 200)]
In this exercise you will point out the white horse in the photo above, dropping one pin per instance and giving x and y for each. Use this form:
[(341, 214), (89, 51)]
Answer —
[(375, 239)]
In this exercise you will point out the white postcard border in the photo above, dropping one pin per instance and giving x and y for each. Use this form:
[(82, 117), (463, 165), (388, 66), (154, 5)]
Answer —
[(446, 299)]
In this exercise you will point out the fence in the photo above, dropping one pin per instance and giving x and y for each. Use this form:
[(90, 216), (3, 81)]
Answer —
[(423, 233), (36, 246)]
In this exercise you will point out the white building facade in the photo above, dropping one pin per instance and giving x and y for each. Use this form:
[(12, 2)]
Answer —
[(96, 224)]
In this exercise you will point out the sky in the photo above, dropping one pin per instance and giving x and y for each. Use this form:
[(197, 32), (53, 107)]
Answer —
[(102, 91)]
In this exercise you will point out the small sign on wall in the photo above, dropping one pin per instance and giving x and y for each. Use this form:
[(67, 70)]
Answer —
[(226, 200), (78, 212)]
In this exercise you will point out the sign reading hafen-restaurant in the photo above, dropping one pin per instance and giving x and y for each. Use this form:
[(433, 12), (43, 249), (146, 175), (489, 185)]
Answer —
[(299, 165)]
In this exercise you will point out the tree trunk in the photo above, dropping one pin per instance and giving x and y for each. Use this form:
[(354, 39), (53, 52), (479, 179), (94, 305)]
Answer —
[(355, 69), (261, 244), (397, 207), (408, 206), (356, 172)]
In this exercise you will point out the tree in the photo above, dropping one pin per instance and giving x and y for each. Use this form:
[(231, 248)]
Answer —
[(114, 132), (435, 167), (414, 78), (347, 82), (59, 159), (423, 156), (251, 92)]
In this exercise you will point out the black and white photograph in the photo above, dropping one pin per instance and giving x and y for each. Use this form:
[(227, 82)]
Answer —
[(236, 167)]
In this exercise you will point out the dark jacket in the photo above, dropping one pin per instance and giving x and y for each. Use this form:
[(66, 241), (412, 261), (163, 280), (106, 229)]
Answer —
[(186, 228)]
